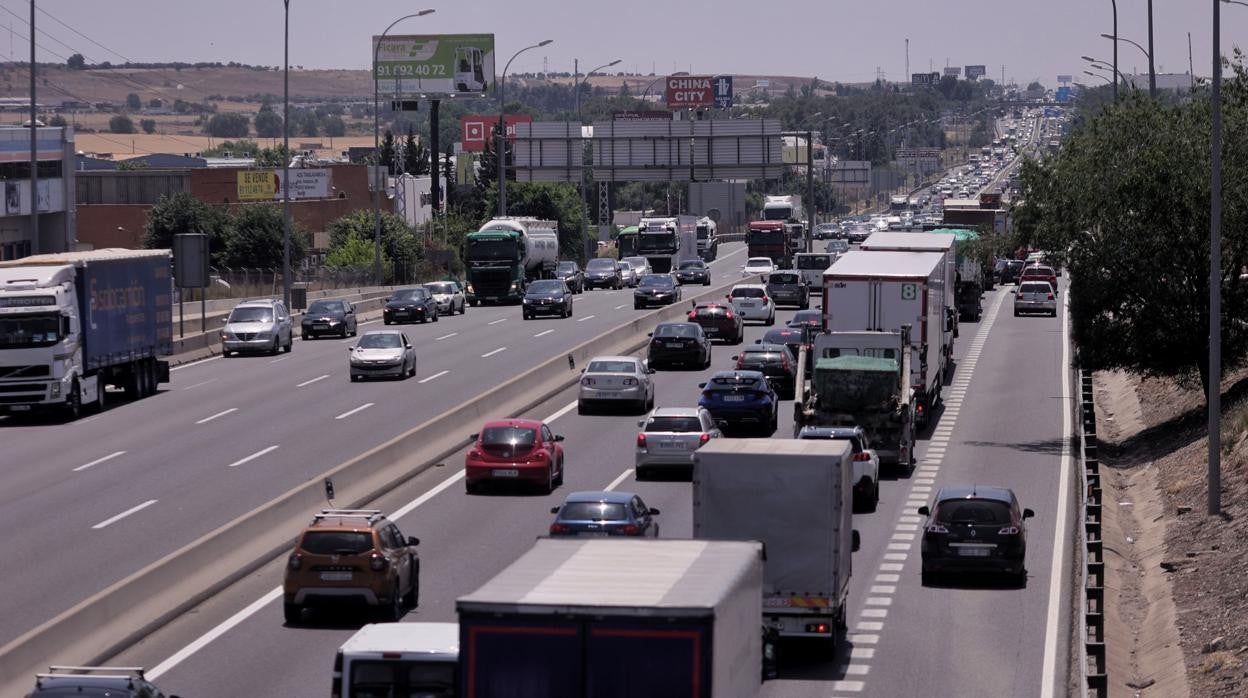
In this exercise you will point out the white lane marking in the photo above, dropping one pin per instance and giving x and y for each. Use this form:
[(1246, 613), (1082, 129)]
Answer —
[(492, 353), (888, 578), (368, 322), (228, 624), (310, 382), (1051, 631), (192, 387), (124, 514), (620, 306), (222, 413), (862, 653), (543, 333), (253, 456), (278, 361), (896, 556), (435, 376), (412, 505), (869, 625), (587, 317), (891, 567), (495, 322), (97, 461), (446, 336), (863, 639), (348, 413), (190, 364), (621, 478), (856, 669), (561, 411), (880, 600)]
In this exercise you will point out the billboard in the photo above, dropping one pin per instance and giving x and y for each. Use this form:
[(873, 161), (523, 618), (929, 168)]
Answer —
[(723, 91), (475, 129), (442, 64), (257, 185), (924, 78), (1063, 94), (688, 91), (952, 71), (974, 72), (1064, 78), (634, 115), (266, 185)]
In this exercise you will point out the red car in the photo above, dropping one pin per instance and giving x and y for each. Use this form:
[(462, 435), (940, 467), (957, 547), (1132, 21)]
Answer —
[(1040, 273), (515, 450)]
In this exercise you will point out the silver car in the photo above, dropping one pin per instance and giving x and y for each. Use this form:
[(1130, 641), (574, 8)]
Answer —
[(382, 353), (449, 296), (670, 435), (1035, 297), (640, 265), (257, 326), (628, 273), (616, 380)]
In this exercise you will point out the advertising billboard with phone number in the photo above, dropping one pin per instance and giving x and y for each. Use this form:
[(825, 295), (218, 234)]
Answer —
[(443, 64)]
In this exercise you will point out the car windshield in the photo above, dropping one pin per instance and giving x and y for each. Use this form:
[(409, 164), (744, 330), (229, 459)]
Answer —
[(674, 424), (565, 267), (441, 287), (325, 307), (657, 281), (693, 264), (677, 329), (748, 293), (410, 294), (600, 264), (806, 317), (337, 542), (252, 315), (636, 262), (593, 511), (973, 511), (612, 367), (1015, 264), (545, 287), (423, 679), (783, 279), (21, 331), (381, 340), (758, 262)]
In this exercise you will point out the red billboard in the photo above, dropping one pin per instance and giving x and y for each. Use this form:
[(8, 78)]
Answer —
[(688, 91), (474, 129)]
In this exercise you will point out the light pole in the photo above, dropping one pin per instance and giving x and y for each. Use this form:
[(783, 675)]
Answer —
[(377, 150), (1152, 77), (501, 151), (810, 181), (653, 82), (579, 122), (1115, 4), (1098, 75), (286, 157), (1102, 65), (34, 145), (1152, 74)]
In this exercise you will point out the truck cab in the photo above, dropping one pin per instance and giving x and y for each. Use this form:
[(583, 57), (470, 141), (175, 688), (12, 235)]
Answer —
[(398, 659), (708, 240)]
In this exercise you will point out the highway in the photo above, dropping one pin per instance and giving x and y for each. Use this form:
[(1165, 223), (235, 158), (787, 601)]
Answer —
[(1002, 423), (121, 489)]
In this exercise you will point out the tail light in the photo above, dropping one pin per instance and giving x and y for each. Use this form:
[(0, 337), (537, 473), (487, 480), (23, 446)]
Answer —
[(630, 381), (816, 627), (474, 453), (693, 316), (377, 562), (1050, 296), (295, 561), (1019, 295), (587, 381), (740, 363), (728, 314), (704, 438), (557, 529), (641, 440), (936, 528), (630, 529), (862, 456), (766, 300), (1008, 531), (919, 408)]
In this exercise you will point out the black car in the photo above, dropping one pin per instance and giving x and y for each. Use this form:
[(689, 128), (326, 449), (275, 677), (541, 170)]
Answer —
[(718, 321), (858, 234), (788, 288), (694, 271), (792, 337), (679, 343), (330, 317), (975, 528), (1011, 271), (776, 361), (655, 289), (806, 318), (410, 304), (547, 297), (570, 273), (603, 272), (826, 231)]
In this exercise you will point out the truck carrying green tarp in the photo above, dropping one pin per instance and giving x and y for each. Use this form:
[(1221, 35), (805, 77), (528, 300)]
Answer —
[(852, 383)]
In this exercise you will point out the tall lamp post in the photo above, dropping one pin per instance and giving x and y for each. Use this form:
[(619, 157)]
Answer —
[(810, 181), (1115, 5), (286, 156), (1152, 77), (653, 82), (501, 151), (1102, 65), (377, 149), (579, 122), (1098, 75)]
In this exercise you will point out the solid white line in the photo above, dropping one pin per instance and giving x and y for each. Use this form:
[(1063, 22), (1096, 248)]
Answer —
[(278, 361), (543, 333), (447, 336), (411, 506), (562, 411), (616, 482), (228, 624), (191, 387), (310, 382), (495, 322), (1051, 631), (97, 461), (205, 420), (620, 306), (368, 322), (253, 456), (587, 317), (437, 375), (124, 514), (348, 413), (189, 364), (492, 353)]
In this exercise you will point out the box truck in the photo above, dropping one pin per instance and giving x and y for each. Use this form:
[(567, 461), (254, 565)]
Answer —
[(398, 659)]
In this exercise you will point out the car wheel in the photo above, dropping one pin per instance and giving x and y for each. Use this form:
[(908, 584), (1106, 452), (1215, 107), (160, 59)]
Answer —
[(305, 336), (550, 479), (1016, 312), (412, 598), (435, 316), (773, 425), (471, 488), (386, 321), (344, 333), (636, 306), (527, 316), (559, 477), (290, 344), (355, 330), (275, 348), (641, 405), (292, 612), (640, 474), (875, 498), (927, 578), (412, 373), (1053, 314), (771, 319), (581, 408), (394, 610)]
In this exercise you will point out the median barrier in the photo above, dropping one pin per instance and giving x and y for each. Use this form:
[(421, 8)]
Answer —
[(125, 612)]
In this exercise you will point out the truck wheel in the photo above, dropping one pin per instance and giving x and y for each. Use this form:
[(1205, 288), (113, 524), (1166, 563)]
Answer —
[(412, 598), (73, 402), (99, 397)]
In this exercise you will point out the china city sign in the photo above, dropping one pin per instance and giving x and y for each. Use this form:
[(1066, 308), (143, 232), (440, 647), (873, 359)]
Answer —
[(443, 64), (690, 91)]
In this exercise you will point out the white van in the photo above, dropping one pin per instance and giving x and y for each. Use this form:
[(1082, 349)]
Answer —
[(398, 659), (811, 266)]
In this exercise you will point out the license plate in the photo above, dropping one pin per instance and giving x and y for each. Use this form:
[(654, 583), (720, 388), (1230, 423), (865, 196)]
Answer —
[(510, 472), (674, 345), (973, 552), (320, 327), (19, 408), (595, 534), (747, 305), (734, 398), (672, 445), (400, 314), (335, 576)]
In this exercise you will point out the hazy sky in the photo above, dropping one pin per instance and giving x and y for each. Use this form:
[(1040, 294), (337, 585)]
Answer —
[(831, 39)]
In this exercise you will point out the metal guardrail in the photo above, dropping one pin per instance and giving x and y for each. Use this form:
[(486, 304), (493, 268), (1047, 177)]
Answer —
[(1094, 663)]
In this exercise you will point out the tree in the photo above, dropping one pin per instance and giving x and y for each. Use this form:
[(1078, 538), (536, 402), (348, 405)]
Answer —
[(57, 120), (182, 213), (76, 62), (547, 201), (309, 125), (273, 157), (228, 125), (268, 122), (1035, 86), (387, 155), (148, 125), (415, 156), (355, 252), (121, 124), (133, 103), (335, 127), (256, 240), (398, 241)]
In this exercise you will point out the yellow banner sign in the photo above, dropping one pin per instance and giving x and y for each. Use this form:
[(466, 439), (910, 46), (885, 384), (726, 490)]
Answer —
[(257, 185)]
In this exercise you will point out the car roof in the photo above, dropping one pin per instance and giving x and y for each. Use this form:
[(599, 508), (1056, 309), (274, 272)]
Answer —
[(767, 348), (259, 303), (676, 412), (749, 375), (521, 423), (766, 260), (1000, 494), (634, 359), (368, 332), (614, 496), (758, 286)]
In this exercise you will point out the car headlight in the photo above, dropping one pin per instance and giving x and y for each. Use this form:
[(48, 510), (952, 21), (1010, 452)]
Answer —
[(528, 301)]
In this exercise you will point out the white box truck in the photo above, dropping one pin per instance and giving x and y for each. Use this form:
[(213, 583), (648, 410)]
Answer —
[(944, 243), (881, 291), (794, 496), (398, 659)]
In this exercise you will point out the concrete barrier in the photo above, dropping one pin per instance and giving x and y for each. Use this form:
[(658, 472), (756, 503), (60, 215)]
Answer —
[(122, 614)]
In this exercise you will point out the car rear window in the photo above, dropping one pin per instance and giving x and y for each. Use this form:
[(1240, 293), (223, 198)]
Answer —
[(680, 424), (686, 330), (508, 436), (593, 511), (748, 293), (337, 542), (440, 288), (973, 511), (711, 312), (783, 279), (1036, 288), (695, 264), (611, 367), (782, 337), (756, 359), (807, 317)]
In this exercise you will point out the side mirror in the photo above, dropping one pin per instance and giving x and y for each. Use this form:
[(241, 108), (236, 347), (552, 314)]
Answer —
[(701, 385), (650, 371), (350, 349), (473, 437), (1028, 513), (558, 437), (413, 540), (855, 542), (641, 423), (734, 357), (757, 341), (554, 510), (924, 511), (350, 309), (225, 320), (654, 512), (649, 334)]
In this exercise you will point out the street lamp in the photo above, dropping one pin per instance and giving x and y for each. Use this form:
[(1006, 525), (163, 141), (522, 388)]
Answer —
[(1152, 76), (1098, 75), (1115, 6), (1098, 63), (501, 151), (377, 150), (577, 88), (810, 180), (653, 82), (286, 156)]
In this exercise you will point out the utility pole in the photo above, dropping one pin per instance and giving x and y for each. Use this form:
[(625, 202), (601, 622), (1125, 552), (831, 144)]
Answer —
[(1152, 74), (907, 65), (1214, 398), (37, 247), (286, 160)]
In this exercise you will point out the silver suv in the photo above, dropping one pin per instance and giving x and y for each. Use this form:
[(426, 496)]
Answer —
[(670, 435), (257, 326)]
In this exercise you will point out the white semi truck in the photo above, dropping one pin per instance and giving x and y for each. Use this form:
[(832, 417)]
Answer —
[(666, 242)]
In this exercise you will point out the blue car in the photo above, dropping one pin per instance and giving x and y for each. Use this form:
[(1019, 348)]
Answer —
[(602, 513), (740, 399)]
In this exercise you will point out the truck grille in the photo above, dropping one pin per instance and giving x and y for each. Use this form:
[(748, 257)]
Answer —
[(22, 388), (7, 372)]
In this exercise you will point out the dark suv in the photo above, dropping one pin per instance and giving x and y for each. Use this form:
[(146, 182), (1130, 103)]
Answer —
[(788, 288), (719, 321), (352, 556), (603, 272), (1011, 271), (118, 682), (571, 274), (973, 528)]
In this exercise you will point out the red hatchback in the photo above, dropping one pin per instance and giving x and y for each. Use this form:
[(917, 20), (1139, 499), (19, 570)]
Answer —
[(1039, 273), (515, 450)]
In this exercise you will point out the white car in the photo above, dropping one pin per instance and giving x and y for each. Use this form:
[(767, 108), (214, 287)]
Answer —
[(641, 265), (670, 435), (623, 380), (752, 303), (866, 462), (382, 353), (758, 266), (449, 296)]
